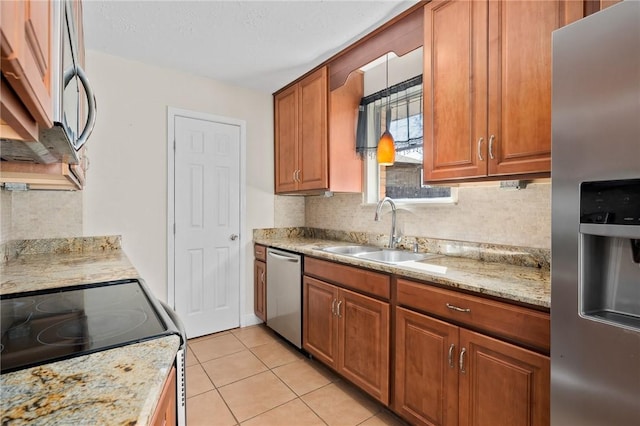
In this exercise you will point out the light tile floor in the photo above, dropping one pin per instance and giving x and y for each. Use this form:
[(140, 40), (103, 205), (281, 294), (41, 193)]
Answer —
[(251, 376)]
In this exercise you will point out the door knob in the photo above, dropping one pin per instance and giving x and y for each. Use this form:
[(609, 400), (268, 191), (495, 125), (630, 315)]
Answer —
[(233, 237)]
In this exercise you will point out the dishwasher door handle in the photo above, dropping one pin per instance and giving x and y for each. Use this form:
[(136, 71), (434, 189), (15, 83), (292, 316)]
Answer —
[(281, 257)]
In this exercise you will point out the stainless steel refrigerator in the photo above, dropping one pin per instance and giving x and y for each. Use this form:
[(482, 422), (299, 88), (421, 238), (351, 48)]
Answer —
[(595, 272)]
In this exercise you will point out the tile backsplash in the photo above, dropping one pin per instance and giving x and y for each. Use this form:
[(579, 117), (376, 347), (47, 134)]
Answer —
[(40, 214), (483, 214), (289, 211)]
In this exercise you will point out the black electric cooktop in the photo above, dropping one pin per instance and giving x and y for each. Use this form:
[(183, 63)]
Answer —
[(50, 325)]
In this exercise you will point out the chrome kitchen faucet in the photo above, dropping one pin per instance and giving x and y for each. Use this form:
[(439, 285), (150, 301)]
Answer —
[(393, 239)]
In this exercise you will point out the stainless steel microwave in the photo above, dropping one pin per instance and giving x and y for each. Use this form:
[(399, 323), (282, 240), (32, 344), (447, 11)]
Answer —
[(74, 103)]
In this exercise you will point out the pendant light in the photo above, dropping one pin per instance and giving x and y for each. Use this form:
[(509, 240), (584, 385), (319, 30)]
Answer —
[(386, 152)]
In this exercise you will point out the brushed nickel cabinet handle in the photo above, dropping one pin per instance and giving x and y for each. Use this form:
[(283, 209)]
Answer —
[(333, 307), (451, 348), (339, 314), (479, 149), (462, 352), (491, 139), (262, 277), (455, 308)]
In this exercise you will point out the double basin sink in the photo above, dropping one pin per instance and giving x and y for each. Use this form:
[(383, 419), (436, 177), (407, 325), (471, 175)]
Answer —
[(377, 254)]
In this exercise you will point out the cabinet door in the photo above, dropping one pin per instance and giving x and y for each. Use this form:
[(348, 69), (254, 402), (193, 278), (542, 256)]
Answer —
[(286, 139), (502, 384), (165, 413), (519, 100), (260, 290), (364, 343), (320, 325), (426, 369), (455, 75), (313, 153), (26, 54)]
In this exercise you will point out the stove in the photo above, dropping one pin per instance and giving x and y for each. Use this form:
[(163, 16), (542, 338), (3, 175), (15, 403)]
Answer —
[(51, 325)]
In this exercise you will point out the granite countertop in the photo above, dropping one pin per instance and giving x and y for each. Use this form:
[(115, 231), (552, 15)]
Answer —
[(522, 284), (117, 386)]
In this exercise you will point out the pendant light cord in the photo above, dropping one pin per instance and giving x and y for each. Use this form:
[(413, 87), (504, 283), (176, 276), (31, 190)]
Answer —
[(388, 111)]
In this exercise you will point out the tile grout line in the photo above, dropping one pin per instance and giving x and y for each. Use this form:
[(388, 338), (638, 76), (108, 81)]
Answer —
[(273, 339), (296, 396), (217, 390)]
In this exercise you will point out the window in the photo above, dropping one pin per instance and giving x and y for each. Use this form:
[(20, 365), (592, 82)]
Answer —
[(404, 180)]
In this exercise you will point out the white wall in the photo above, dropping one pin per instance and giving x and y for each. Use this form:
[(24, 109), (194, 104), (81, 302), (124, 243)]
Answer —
[(126, 190)]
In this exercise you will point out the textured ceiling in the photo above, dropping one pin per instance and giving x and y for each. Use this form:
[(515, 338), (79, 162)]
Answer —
[(261, 45)]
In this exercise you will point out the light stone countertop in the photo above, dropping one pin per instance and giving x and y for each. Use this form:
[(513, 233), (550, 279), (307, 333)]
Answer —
[(45, 271), (527, 285), (120, 386)]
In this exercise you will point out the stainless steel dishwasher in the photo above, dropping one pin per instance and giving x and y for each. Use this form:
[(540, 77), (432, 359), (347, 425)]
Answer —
[(284, 294)]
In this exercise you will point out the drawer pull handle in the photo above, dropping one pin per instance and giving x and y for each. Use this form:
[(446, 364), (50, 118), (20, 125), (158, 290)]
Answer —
[(333, 307), (479, 149), (451, 348), (462, 352), (455, 308), (339, 314)]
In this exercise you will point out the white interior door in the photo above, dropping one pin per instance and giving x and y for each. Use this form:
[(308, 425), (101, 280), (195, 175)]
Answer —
[(207, 225)]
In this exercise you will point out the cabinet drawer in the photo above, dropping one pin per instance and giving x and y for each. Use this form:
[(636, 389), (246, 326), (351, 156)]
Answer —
[(260, 252), (515, 323), (355, 278)]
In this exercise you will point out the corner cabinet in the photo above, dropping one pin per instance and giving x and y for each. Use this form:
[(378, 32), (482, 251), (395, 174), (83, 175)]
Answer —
[(306, 146), (487, 86), (345, 329), (448, 374)]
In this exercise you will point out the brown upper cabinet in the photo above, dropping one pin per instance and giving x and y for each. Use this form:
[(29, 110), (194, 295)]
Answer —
[(26, 103), (315, 128), (593, 6), (487, 86), (316, 116), (25, 55), (301, 134)]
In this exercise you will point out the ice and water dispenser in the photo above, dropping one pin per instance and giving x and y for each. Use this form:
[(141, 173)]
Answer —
[(609, 279)]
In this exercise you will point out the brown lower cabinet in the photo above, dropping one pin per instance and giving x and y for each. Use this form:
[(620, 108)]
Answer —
[(260, 281), (349, 332), (260, 289), (449, 375), (165, 413)]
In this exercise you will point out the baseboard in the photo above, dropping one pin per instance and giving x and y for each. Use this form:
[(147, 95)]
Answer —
[(249, 319)]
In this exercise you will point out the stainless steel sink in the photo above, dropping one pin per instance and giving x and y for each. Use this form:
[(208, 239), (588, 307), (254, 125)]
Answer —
[(351, 250), (394, 256), (377, 254)]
